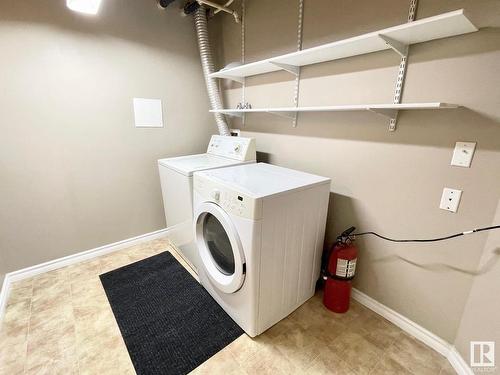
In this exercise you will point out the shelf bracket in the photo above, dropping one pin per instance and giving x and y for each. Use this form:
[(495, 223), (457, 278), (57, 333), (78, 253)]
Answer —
[(287, 114), (232, 78), (295, 70), (400, 48), (233, 114), (392, 114)]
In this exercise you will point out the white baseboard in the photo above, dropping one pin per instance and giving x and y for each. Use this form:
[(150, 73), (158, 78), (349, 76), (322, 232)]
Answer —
[(4, 295), (458, 362), (76, 258), (420, 333), (417, 331)]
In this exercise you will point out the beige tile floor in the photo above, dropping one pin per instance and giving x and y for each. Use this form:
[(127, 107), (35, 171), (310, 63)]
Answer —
[(60, 322)]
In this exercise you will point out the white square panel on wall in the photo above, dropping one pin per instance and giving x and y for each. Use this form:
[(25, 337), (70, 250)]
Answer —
[(148, 113)]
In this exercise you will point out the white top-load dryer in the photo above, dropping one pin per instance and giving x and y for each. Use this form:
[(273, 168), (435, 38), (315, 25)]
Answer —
[(259, 230), (176, 176)]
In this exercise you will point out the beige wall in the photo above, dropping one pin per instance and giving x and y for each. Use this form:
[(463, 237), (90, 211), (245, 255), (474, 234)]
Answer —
[(387, 182), (481, 318), (75, 173)]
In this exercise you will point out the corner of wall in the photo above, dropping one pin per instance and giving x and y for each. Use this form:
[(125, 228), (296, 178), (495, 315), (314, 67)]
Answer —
[(480, 320)]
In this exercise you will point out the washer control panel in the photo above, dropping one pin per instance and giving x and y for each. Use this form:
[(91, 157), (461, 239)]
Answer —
[(233, 202), (238, 148)]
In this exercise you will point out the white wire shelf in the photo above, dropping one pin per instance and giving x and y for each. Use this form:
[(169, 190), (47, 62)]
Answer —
[(387, 110), (397, 38)]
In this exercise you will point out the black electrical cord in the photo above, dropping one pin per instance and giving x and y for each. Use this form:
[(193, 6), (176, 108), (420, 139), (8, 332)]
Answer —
[(353, 236)]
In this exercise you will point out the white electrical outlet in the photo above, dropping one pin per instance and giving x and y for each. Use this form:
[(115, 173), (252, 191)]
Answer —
[(463, 153), (450, 199)]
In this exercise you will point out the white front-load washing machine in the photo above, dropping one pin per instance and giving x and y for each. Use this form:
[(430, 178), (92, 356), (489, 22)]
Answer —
[(259, 231), (176, 177)]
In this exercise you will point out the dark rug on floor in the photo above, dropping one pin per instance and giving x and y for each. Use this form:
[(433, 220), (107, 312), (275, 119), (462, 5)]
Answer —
[(170, 324)]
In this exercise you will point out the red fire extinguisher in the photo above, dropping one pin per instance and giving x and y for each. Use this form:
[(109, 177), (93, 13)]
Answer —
[(338, 272)]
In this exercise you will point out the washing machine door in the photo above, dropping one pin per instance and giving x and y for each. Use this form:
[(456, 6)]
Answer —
[(219, 247)]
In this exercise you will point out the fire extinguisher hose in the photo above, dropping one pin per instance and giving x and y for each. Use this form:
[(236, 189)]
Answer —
[(353, 236)]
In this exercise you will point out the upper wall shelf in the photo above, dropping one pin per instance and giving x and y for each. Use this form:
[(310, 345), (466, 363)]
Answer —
[(396, 38), (387, 110)]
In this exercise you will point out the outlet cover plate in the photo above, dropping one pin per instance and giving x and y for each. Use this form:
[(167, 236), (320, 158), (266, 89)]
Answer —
[(450, 199), (463, 153)]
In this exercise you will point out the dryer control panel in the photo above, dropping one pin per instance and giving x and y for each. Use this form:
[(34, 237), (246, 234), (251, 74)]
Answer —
[(233, 202), (238, 148)]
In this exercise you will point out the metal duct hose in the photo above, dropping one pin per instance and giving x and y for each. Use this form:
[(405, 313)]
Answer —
[(200, 22)]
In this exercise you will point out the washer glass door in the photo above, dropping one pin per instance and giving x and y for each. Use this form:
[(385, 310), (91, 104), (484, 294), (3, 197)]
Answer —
[(219, 247)]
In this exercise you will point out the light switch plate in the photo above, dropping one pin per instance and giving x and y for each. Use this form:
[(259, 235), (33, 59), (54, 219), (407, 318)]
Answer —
[(463, 153), (450, 199), (148, 113)]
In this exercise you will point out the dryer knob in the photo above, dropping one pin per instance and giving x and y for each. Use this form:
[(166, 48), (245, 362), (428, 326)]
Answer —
[(216, 195)]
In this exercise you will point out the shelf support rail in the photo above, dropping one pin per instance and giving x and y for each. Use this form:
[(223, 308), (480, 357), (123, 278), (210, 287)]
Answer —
[(400, 79), (297, 74), (243, 103)]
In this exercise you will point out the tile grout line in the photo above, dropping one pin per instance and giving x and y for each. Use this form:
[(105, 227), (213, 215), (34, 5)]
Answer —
[(384, 353), (29, 328), (342, 351), (77, 357), (370, 371)]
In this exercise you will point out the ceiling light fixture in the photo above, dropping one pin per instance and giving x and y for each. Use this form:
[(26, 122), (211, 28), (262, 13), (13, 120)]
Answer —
[(84, 6)]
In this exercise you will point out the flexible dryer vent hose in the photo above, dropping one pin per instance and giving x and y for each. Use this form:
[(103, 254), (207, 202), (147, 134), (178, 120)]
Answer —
[(200, 22)]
